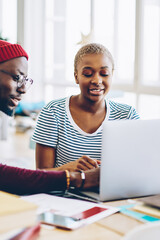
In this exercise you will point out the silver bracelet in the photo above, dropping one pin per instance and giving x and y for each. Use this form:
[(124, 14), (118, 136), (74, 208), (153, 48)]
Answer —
[(83, 177)]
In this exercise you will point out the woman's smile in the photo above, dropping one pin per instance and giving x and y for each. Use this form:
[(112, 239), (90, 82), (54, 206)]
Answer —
[(96, 91)]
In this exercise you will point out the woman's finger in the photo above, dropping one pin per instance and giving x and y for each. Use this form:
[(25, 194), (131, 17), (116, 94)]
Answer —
[(91, 161)]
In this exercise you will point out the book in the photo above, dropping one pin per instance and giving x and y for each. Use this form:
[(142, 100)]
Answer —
[(15, 212), (147, 209), (149, 205), (153, 200)]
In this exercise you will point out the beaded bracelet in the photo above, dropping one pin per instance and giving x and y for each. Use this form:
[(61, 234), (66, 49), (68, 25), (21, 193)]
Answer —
[(67, 179), (83, 177)]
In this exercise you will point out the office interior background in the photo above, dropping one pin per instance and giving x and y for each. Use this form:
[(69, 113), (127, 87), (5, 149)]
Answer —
[(52, 31)]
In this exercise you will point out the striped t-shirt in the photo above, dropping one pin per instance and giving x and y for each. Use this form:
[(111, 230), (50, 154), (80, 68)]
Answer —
[(56, 128)]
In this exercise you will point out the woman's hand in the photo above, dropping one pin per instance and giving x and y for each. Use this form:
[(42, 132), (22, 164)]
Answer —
[(83, 163)]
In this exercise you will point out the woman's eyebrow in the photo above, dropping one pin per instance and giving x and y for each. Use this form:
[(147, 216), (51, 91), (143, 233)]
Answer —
[(87, 68), (91, 67), (104, 67)]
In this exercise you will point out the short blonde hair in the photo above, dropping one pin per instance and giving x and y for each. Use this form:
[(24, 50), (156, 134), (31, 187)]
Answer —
[(92, 48)]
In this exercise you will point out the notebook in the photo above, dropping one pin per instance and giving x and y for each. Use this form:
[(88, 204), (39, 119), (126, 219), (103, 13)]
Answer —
[(153, 201), (130, 160)]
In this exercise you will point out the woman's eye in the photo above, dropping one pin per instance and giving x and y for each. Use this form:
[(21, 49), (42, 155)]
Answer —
[(87, 73), (104, 73)]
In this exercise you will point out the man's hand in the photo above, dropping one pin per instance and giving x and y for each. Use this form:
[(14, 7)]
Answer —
[(91, 178)]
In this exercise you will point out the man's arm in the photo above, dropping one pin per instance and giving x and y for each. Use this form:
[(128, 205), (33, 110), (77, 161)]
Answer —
[(24, 181)]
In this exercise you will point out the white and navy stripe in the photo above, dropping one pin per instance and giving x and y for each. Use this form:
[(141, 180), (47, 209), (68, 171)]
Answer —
[(57, 129)]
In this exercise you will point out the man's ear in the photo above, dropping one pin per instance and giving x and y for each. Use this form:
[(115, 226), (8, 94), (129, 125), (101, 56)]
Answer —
[(76, 78)]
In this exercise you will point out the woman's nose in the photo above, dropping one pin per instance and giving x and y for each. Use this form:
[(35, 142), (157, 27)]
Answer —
[(97, 79)]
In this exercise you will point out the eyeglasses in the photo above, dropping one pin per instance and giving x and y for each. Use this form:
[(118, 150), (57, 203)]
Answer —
[(20, 79)]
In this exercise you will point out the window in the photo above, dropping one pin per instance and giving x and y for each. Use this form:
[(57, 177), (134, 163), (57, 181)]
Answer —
[(130, 29), (64, 28), (56, 29), (151, 43), (114, 23), (8, 27)]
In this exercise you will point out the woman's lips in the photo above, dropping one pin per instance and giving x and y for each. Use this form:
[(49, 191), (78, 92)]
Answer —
[(96, 91)]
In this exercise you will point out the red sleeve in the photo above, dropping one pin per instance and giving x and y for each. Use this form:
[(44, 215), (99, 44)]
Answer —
[(23, 181)]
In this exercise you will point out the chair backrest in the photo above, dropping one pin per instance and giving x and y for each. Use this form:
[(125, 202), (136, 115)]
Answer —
[(3, 126)]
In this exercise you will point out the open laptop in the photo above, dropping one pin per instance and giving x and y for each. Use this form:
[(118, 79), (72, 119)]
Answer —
[(130, 164)]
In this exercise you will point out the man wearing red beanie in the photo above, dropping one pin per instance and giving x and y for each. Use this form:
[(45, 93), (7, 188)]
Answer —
[(9, 51), (13, 84), (10, 97)]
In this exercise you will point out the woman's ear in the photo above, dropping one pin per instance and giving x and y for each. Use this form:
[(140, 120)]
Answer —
[(76, 78)]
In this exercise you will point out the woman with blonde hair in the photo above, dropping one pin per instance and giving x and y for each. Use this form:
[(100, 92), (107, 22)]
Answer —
[(68, 134)]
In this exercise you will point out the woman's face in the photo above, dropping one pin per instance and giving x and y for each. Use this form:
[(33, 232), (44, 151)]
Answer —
[(94, 76)]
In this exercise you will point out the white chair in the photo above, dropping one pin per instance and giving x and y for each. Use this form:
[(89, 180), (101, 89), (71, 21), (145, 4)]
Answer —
[(3, 126), (148, 231)]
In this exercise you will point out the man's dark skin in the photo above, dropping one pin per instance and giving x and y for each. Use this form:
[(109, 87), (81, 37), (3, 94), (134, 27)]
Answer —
[(10, 95)]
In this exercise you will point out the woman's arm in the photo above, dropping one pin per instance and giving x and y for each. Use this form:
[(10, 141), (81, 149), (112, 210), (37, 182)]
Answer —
[(46, 157)]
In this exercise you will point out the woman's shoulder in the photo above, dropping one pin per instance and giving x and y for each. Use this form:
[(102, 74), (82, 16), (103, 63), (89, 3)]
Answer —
[(121, 111), (116, 106), (54, 108), (56, 104)]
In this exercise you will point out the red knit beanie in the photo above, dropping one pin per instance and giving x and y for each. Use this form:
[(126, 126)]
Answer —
[(9, 51)]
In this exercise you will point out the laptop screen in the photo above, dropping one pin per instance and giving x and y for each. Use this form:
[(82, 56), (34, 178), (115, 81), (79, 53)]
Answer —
[(130, 159)]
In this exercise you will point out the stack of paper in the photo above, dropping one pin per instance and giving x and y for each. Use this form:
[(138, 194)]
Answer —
[(149, 205), (82, 211)]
